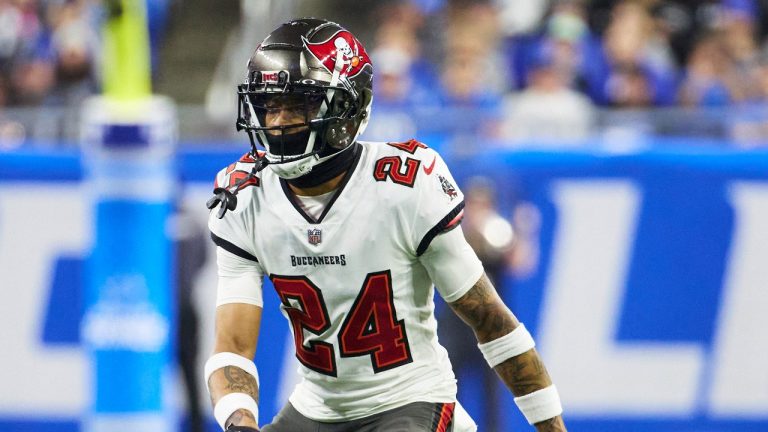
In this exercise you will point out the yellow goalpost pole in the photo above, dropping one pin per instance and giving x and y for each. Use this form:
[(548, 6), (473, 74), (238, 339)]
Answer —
[(126, 65)]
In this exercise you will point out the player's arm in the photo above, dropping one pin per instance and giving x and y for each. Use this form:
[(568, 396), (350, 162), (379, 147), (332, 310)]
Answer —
[(505, 343), (230, 372), (237, 329), (491, 320), (459, 277)]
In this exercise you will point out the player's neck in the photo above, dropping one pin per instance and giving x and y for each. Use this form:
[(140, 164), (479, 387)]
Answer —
[(326, 176), (320, 189)]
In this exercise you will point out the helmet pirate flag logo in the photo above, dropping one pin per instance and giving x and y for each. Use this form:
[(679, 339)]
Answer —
[(341, 43)]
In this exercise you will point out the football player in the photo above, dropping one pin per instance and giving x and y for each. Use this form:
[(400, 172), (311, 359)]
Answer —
[(354, 237)]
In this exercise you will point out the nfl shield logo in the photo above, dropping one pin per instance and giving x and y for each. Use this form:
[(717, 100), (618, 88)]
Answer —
[(314, 236)]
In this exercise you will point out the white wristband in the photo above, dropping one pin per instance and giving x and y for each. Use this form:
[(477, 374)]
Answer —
[(540, 405), (224, 359), (232, 402), (510, 345)]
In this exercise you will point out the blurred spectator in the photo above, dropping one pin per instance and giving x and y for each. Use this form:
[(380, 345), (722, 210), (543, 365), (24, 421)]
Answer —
[(404, 80), (472, 76), (472, 51), (548, 109), (739, 32), (711, 78), (48, 50), (490, 235), (749, 121), (677, 23), (518, 17), (724, 65), (398, 84), (10, 32), (578, 52), (629, 86), (398, 93), (32, 80), (74, 49), (26, 78), (405, 73), (643, 71), (20, 28), (467, 79)]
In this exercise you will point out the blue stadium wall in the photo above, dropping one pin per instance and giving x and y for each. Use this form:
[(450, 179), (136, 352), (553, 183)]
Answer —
[(648, 298)]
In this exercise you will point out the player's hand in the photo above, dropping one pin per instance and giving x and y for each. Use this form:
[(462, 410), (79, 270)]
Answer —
[(241, 429)]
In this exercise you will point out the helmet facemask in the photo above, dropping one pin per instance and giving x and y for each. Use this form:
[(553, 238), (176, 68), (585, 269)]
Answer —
[(297, 122)]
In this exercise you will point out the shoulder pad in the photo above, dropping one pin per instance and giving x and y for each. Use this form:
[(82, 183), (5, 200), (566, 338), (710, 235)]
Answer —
[(237, 175), (409, 146)]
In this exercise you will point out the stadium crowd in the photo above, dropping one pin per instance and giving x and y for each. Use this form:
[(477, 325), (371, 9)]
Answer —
[(520, 66), (48, 51), (543, 67)]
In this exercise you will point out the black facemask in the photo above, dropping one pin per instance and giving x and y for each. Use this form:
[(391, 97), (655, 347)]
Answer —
[(288, 144)]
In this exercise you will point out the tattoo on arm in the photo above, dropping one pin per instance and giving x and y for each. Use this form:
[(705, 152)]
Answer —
[(232, 379), (482, 309), (240, 381), (524, 374), (238, 416)]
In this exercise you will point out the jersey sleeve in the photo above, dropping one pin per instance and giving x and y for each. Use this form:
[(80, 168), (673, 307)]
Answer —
[(452, 265), (240, 273), (440, 203), (239, 279)]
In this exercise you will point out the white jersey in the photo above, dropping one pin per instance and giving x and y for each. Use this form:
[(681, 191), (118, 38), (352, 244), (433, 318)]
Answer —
[(358, 300)]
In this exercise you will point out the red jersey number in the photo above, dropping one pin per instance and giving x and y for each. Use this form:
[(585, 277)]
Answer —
[(370, 328), (392, 167), (304, 303)]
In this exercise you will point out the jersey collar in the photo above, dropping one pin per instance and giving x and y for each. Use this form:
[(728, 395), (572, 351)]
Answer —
[(295, 201)]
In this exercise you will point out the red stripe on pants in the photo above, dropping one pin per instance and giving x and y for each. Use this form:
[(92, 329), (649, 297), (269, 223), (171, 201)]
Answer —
[(446, 415)]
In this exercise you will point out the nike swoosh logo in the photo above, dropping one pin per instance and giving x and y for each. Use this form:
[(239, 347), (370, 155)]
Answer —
[(429, 169)]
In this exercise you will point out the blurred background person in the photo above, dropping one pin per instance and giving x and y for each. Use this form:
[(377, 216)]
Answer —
[(740, 37), (74, 46), (575, 48), (471, 73), (642, 68), (548, 109), (711, 78), (404, 80)]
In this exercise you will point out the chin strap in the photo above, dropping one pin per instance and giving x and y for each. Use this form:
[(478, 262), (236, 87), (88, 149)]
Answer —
[(226, 197), (328, 169)]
